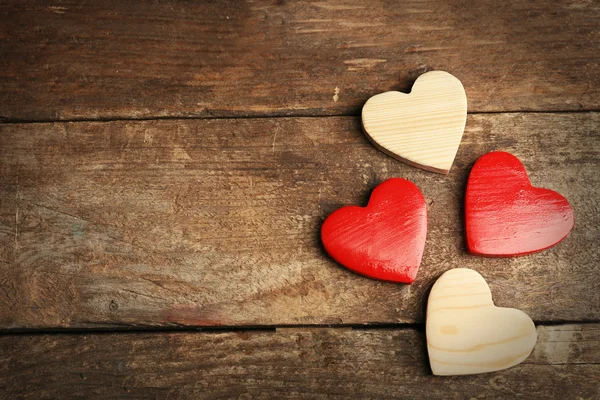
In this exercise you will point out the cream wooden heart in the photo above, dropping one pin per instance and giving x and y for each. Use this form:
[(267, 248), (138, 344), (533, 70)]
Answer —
[(423, 128), (467, 334)]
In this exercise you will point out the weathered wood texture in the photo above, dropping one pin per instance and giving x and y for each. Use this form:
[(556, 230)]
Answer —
[(216, 222), (119, 59), (312, 363)]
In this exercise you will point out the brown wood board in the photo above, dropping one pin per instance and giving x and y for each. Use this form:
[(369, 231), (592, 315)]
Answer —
[(288, 363), (216, 222), (115, 59)]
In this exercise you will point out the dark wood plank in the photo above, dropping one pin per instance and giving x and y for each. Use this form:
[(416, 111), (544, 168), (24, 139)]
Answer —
[(216, 222), (312, 363), (117, 59)]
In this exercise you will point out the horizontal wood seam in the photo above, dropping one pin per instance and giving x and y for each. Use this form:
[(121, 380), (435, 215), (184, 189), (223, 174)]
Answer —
[(274, 116), (258, 328)]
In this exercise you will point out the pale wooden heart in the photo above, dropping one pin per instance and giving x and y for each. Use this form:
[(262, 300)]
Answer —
[(423, 128), (467, 333)]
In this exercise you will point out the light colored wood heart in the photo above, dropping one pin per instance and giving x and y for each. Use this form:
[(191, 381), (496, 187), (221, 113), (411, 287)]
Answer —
[(467, 333), (423, 128)]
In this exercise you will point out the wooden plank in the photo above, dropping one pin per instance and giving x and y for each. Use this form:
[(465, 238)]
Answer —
[(216, 222), (114, 59), (312, 363)]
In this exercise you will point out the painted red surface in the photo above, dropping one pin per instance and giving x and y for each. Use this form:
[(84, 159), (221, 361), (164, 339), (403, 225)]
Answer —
[(506, 216), (385, 239)]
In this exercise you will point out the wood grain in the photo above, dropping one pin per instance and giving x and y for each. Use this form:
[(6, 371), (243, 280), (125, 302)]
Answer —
[(184, 223), (467, 334), (114, 59), (216, 222), (289, 363), (422, 128)]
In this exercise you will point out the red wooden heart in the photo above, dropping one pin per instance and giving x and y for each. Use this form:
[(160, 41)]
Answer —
[(506, 216), (383, 240)]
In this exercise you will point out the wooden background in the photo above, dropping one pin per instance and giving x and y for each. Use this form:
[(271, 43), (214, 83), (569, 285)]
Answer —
[(165, 168)]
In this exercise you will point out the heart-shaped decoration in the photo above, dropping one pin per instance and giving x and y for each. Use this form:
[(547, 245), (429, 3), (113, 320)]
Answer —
[(423, 128), (385, 239), (506, 216), (467, 333)]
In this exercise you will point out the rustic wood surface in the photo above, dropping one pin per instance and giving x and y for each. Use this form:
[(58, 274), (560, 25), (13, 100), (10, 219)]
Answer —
[(288, 363), (117, 59), (216, 222), (112, 222)]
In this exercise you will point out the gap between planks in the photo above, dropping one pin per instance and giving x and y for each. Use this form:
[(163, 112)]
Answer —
[(420, 327), (261, 116)]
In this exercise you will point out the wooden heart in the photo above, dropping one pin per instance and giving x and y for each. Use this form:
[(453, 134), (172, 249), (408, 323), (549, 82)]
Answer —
[(383, 240), (423, 128), (467, 333), (506, 216)]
